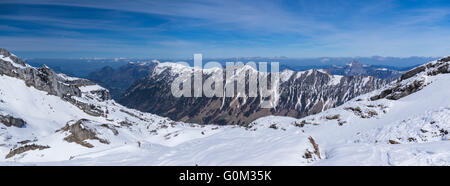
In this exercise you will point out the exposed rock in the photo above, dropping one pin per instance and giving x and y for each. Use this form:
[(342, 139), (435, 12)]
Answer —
[(400, 91), (112, 128), (103, 94), (273, 126), (12, 121), (90, 109), (316, 153), (45, 79), (334, 117), (413, 72), (15, 59), (362, 113), (393, 142), (24, 142), (25, 148), (79, 133), (404, 88), (300, 94)]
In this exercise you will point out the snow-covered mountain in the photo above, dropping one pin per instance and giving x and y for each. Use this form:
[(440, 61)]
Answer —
[(51, 119), (46, 116), (300, 94)]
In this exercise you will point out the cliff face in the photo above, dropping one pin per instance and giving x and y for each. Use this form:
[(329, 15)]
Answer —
[(300, 94), (43, 78)]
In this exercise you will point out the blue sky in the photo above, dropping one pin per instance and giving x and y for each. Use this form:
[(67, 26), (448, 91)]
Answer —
[(229, 28)]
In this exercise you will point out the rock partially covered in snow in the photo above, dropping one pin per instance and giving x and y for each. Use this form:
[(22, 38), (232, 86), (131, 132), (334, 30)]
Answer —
[(12, 121)]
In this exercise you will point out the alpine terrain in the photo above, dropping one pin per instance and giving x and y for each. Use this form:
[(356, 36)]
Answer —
[(48, 118), (300, 94)]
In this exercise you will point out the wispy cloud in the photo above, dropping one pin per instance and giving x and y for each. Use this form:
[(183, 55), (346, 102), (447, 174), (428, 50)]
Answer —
[(235, 27)]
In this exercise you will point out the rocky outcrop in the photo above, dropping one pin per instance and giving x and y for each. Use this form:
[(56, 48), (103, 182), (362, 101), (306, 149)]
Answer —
[(6, 54), (301, 94), (87, 108), (25, 148), (315, 154), (43, 78), (400, 91), (405, 86), (413, 72), (12, 121), (79, 132)]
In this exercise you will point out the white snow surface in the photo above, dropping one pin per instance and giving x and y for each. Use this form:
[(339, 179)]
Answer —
[(90, 88), (360, 132)]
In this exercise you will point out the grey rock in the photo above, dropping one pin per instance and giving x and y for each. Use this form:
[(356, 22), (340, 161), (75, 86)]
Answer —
[(12, 121), (399, 89), (45, 79), (14, 58)]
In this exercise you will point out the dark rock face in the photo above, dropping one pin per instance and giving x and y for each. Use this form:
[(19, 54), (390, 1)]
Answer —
[(413, 72), (400, 89), (303, 94), (117, 81), (12, 121)]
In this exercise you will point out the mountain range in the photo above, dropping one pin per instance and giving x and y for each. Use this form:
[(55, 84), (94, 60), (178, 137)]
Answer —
[(49, 118), (300, 94)]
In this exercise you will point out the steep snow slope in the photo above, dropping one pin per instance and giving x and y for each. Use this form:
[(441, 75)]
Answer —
[(150, 141)]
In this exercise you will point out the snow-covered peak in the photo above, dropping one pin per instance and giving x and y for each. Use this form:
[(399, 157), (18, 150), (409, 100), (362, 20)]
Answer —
[(173, 68), (5, 55)]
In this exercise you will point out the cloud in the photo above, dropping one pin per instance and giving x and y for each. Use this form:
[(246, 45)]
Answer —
[(267, 16), (240, 28)]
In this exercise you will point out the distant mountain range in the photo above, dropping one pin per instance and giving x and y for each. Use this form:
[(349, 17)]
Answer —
[(83, 67), (355, 68)]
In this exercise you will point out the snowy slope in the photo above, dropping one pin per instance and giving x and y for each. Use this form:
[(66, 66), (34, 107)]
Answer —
[(156, 141), (88, 129), (411, 130)]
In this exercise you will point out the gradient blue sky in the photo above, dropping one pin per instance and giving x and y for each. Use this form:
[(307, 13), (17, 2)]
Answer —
[(228, 28)]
